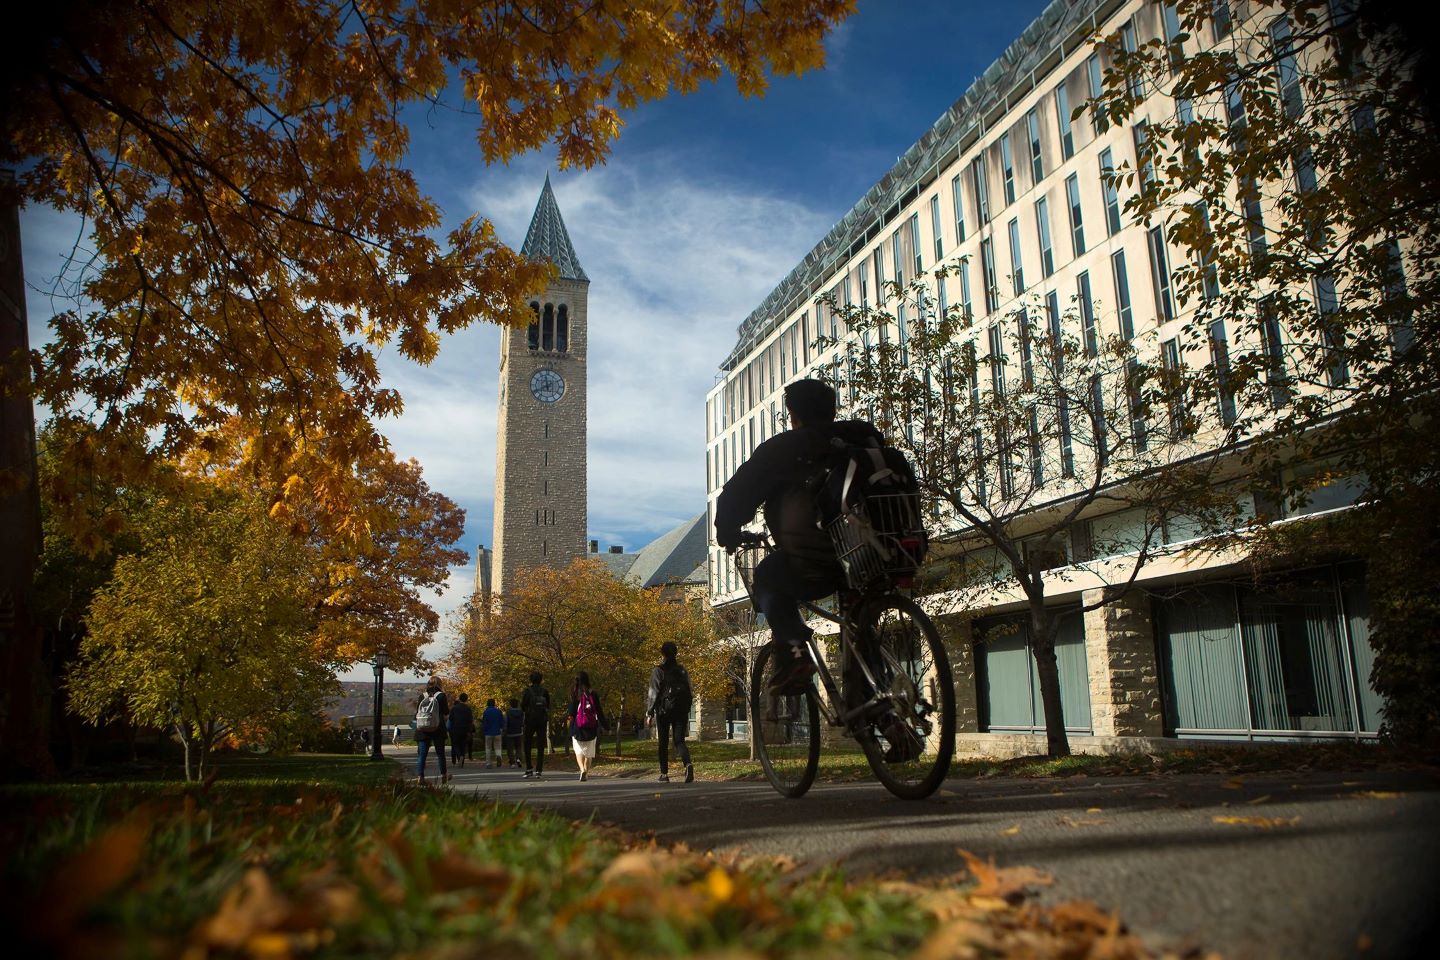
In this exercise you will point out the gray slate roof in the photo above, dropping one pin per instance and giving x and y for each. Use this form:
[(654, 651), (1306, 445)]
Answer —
[(676, 556), (618, 564), (547, 237)]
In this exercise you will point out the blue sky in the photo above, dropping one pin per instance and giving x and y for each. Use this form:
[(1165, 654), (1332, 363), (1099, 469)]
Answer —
[(706, 203)]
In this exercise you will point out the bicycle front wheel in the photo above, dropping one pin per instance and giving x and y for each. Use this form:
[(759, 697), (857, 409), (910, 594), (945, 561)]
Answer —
[(909, 736), (786, 730)]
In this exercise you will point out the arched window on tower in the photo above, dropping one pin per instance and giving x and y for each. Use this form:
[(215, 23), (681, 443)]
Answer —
[(562, 329), (534, 332), (547, 328)]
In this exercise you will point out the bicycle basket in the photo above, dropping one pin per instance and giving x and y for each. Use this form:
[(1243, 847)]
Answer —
[(746, 559), (879, 540)]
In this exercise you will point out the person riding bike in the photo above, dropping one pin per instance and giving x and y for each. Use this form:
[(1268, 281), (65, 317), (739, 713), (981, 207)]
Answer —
[(804, 566)]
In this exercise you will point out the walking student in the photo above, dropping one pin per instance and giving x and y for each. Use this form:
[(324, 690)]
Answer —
[(514, 730), (430, 715), (586, 717), (462, 727), (667, 703), (535, 703), (492, 726)]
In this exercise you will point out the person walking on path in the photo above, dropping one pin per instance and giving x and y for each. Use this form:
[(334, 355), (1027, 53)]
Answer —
[(462, 728), (395, 736), (586, 718), (430, 714), (514, 730), (667, 704), (492, 727), (535, 702)]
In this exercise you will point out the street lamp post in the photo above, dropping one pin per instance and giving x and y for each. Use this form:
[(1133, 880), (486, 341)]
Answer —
[(382, 659)]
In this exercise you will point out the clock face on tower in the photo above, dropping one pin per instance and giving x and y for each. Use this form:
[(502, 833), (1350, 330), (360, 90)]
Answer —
[(547, 385)]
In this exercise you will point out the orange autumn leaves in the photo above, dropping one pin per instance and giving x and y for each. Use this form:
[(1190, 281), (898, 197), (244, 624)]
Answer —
[(258, 237)]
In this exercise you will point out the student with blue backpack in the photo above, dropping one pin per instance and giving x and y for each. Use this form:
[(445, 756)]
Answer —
[(586, 718)]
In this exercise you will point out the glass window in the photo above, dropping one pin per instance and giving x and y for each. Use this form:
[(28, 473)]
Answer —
[(1111, 194), (1007, 168), (1128, 44), (897, 258), (1094, 74), (914, 245), (935, 232), (1337, 372), (980, 186), (1220, 19), (1042, 228), (1210, 271), (1287, 74), (987, 274), (878, 262), (1037, 159), (1122, 295), (966, 306), (1141, 134), (1220, 362), (1170, 21), (1077, 222), (1160, 274), (956, 196), (1062, 117), (1057, 344), (1087, 314), (1017, 267), (1254, 223), (1277, 379), (1175, 398), (547, 328)]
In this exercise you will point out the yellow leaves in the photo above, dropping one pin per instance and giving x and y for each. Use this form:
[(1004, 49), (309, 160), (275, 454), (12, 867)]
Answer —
[(1263, 823), (1379, 794)]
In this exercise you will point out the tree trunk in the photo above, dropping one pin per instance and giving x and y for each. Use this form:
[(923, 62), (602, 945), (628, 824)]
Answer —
[(24, 706), (1042, 644), (185, 746), (619, 724)]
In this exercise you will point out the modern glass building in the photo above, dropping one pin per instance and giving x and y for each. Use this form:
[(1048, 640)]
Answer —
[(1008, 186)]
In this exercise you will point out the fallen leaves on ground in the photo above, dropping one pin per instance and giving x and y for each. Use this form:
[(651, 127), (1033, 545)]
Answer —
[(1379, 794), (1265, 823)]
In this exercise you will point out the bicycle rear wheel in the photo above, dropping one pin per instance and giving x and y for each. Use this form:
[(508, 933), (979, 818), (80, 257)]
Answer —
[(786, 729), (909, 738)]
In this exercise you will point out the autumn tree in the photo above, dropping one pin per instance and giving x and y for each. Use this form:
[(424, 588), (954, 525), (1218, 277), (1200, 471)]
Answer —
[(581, 617), (240, 170), (205, 630), (1021, 429), (1292, 156)]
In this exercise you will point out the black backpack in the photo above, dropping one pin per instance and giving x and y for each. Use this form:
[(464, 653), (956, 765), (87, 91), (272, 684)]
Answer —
[(537, 705), (674, 699), (868, 499)]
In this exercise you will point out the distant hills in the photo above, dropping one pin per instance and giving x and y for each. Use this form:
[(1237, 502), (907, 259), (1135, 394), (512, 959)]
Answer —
[(357, 700)]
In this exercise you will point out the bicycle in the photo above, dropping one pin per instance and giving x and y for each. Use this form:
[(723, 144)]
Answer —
[(896, 695)]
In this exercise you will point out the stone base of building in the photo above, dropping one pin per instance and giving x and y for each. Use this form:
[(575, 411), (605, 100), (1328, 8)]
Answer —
[(1007, 746)]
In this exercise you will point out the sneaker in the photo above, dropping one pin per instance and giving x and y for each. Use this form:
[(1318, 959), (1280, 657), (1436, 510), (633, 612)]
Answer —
[(529, 774), (583, 776), (664, 778), (689, 773), (446, 777), (792, 678)]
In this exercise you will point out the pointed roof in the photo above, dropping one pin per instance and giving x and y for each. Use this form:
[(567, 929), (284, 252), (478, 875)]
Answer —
[(673, 557), (547, 237)]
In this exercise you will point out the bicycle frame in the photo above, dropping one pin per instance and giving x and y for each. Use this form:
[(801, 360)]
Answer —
[(843, 618)]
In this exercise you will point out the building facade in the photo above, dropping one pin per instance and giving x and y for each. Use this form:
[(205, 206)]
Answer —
[(540, 462), (1008, 190)]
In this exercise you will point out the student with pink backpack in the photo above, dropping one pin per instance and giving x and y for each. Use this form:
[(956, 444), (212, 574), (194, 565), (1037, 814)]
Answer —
[(586, 718)]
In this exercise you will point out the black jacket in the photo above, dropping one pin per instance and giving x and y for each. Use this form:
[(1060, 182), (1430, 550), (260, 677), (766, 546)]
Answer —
[(776, 477), (600, 718)]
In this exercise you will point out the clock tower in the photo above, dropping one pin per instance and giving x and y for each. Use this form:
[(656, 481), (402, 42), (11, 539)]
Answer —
[(540, 489)]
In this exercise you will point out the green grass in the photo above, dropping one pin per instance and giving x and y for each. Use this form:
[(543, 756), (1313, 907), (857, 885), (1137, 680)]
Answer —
[(843, 762), (344, 869)]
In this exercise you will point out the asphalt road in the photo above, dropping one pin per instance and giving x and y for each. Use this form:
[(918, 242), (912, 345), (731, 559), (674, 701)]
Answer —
[(1348, 865)]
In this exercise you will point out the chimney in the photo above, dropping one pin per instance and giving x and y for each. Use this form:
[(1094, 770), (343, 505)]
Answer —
[(594, 546), (617, 549)]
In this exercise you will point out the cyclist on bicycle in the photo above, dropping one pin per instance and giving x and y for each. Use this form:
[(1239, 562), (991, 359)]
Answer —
[(803, 566)]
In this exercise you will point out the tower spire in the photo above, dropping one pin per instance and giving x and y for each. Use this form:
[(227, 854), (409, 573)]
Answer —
[(547, 237)]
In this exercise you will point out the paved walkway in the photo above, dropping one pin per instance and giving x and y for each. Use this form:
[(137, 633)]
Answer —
[(1318, 865)]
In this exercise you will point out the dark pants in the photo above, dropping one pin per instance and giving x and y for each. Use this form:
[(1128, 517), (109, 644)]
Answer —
[(665, 728), (459, 746), (535, 740), (779, 586), (512, 748)]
